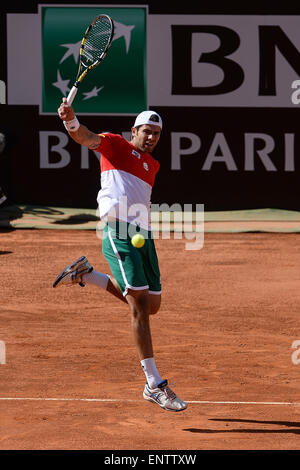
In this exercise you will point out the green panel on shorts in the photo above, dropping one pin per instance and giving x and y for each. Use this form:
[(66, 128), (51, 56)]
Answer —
[(133, 268)]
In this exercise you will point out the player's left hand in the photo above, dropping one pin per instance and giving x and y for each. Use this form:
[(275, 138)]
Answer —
[(66, 112)]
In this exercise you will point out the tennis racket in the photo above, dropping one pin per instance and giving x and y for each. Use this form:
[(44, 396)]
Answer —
[(94, 46)]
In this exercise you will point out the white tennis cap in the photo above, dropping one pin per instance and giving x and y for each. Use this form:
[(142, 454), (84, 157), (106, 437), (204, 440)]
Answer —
[(148, 117)]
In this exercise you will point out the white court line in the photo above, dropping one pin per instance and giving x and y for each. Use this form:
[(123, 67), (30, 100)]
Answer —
[(245, 403), (120, 400)]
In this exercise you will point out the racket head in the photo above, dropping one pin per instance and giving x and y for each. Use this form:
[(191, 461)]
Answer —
[(95, 44)]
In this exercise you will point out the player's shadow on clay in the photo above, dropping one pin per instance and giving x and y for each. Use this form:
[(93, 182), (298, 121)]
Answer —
[(77, 219), (289, 424)]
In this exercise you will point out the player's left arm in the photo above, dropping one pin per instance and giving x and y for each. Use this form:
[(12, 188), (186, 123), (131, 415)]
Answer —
[(84, 136), (79, 133)]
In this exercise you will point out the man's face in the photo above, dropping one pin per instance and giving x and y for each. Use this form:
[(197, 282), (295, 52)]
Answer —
[(145, 138)]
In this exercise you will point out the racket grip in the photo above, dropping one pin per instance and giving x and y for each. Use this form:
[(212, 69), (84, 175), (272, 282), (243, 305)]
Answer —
[(72, 95)]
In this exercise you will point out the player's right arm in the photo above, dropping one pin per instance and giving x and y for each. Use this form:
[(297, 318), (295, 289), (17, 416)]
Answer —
[(82, 135)]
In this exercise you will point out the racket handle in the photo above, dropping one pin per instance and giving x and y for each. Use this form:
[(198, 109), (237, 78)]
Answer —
[(72, 95)]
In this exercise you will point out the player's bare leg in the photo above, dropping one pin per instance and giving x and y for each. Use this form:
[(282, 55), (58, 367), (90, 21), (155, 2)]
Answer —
[(139, 305), (155, 301), (156, 389), (113, 288)]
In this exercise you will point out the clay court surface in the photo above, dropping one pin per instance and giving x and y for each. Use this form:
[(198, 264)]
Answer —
[(223, 338)]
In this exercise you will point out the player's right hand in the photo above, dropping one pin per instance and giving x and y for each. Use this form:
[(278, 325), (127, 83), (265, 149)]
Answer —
[(66, 112)]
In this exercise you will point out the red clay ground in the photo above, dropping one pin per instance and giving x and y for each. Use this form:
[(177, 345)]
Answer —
[(229, 316)]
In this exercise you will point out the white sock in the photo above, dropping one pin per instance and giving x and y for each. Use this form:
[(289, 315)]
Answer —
[(96, 278), (151, 372)]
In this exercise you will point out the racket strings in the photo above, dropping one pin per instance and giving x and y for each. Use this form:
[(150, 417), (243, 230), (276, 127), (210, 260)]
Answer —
[(97, 41)]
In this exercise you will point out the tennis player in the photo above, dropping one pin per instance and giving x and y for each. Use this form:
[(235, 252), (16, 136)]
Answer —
[(127, 176)]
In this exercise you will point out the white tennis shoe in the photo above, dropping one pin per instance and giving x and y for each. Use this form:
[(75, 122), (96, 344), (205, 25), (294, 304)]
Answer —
[(164, 397), (73, 273)]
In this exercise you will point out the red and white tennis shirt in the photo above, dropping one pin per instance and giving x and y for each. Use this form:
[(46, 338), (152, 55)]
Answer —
[(127, 178)]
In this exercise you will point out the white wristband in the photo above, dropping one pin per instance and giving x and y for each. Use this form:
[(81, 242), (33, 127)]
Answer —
[(73, 125)]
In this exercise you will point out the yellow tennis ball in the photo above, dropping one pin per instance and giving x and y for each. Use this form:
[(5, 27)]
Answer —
[(138, 240)]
